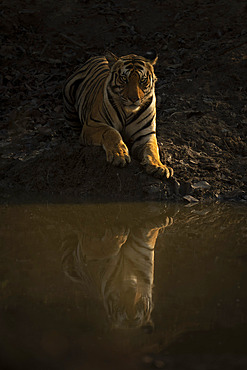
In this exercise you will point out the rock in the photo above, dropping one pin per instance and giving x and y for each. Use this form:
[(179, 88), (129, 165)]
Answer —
[(45, 131), (185, 188), (201, 185), (234, 195), (190, 199), (174, 185)]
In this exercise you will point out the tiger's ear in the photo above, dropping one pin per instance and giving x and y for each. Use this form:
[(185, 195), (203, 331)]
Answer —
[(152, 56), (111, 58)]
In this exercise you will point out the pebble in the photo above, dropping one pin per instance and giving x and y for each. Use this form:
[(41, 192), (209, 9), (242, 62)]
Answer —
[(190, 199), (201, 185)]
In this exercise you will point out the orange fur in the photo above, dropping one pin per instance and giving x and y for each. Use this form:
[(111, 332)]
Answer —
[(114, 101)]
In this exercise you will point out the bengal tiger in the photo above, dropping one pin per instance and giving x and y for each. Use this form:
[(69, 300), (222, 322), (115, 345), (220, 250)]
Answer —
[(111, 100), (116, 262)]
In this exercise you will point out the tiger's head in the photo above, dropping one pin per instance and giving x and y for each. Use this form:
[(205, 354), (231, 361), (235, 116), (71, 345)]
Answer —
[(131, 81), (128, 304)]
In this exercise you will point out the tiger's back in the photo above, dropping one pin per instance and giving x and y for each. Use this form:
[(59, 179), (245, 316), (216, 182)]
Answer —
[(82, 90)]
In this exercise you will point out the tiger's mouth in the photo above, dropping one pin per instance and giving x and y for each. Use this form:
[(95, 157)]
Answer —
[(129, 106), (132, 107)]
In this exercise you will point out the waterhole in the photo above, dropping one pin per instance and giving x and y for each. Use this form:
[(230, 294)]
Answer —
[(116, 286)]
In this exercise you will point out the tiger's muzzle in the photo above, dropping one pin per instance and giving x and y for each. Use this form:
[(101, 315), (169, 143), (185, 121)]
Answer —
[(129, 106)]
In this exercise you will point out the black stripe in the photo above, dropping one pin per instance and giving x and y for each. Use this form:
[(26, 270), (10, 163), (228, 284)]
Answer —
[(142, 136), (129, 67), (83, 81), (87, 68), (94, 119), (90, 92), (113, 104), (142, 128), (140, 245), (113, 77), (107, 114), (128, 63), (138, 61), (97, 72), (75, 87), (139, 68)]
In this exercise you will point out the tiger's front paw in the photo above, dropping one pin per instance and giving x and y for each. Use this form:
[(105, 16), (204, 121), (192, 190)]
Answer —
[(159, 170), (118, 154)]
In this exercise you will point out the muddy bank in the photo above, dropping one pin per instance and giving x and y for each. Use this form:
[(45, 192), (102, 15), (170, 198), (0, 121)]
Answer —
[(201, 94)]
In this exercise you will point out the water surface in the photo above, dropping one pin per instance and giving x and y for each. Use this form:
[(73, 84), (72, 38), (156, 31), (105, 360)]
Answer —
[(105, 286)]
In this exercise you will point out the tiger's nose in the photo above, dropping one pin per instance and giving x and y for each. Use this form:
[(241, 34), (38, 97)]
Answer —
[(134, 98)]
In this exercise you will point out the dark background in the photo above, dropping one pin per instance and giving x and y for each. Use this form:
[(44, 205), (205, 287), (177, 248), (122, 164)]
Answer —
[(201, 95)]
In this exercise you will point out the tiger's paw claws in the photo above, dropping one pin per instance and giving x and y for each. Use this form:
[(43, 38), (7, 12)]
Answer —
[(118, 156), (159, 171)]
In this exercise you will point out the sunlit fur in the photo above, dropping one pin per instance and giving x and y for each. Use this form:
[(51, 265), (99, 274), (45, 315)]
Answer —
[(112, 102)]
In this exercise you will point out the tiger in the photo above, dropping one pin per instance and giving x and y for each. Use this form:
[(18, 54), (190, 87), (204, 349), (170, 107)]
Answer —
[(116, 262), (111, 101)]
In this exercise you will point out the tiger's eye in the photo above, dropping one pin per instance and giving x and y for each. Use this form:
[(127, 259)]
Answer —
[(143, 80), (123, 78)]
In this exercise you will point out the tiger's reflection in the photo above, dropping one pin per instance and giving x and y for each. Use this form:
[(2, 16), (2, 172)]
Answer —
[(118, 262)]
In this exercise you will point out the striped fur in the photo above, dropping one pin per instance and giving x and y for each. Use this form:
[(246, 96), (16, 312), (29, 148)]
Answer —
[(111, 101)]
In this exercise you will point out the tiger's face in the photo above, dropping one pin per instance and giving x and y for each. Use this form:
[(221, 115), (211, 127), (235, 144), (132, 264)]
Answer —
[(131, 81), (129, 304)]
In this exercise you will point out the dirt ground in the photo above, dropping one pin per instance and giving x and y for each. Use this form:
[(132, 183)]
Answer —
[(201, 94)]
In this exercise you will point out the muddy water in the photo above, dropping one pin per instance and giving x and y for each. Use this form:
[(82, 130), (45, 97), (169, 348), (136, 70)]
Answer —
[(116, 286)]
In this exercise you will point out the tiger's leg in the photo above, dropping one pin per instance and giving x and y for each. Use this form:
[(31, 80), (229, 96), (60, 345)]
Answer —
[(110, 139), (150, 159)]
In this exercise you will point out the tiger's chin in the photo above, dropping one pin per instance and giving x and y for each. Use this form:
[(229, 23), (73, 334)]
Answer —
[(131, 108)]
